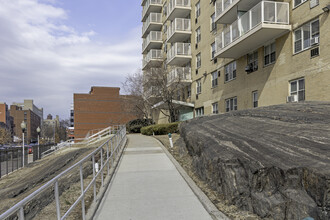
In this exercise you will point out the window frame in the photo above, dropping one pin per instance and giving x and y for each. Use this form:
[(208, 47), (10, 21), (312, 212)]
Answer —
[(198, 86), (296, 6), (231, 104), (198, 35), (233, 71), (198, 60), (269, 54), (298, 89), (214, 79), (302, 38), (254, 60), (199, 111), (213, 50), (215, 108), (213, 23), (255, 102), (198, 9)]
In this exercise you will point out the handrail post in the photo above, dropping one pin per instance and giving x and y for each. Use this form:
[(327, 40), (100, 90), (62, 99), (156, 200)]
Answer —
[(57, 201), (108, 164), (93, 161), (82, 192), (102, 166), (21, 213)]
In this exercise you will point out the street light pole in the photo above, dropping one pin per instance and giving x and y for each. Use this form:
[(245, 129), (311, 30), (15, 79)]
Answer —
[(23, 126), (38, 131)]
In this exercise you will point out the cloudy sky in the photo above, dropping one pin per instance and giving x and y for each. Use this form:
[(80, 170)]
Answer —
[(50, 49)]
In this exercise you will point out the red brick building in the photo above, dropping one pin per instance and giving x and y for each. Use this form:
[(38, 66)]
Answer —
[(101, 108)]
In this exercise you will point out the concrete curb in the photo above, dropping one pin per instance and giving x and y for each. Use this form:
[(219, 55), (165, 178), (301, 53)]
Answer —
[(206, 202)]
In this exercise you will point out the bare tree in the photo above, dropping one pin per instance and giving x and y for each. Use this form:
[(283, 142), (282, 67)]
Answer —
[(5, 136), (159, 83)]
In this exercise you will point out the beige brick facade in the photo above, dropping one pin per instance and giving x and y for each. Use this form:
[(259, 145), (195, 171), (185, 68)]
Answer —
[(270, 81)]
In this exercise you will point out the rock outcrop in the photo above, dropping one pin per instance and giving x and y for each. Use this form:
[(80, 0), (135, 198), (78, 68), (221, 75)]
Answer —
[(273, 161)]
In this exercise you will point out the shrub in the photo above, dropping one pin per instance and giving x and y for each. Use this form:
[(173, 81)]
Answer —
[(135, 126), (160, 129)]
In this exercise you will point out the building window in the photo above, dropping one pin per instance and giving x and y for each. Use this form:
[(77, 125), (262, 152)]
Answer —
[(212, 50), (270, 54), (198, 35), (178, 95), (298, 2), (199, 111), (231, 104), (198, 86), (230, 71), (213, 24), (165, 28), (252, 61), (297, 88), (306, 36), (165, 9), (165, 47), (198, 60), (214, 79), (255, 99), (215, 109), (198, 9), (189, 91)]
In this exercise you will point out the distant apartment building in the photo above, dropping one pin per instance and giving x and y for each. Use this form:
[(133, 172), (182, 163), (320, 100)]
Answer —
[(6, 120), (32, 120), (70, 129), (238, 54), (28, 105), (100, 108)]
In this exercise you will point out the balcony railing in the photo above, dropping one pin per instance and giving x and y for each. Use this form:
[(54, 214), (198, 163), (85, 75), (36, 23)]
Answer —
[(179, 25), (179, 74), (154, 36), (153, 55), (266, 12), (177, 4), (221, 6), (153, 91), (150, 3), (153, 18), (179, 49)]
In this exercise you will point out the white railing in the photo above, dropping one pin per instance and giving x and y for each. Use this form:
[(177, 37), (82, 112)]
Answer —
[(153, 54), (179, 49), (152, 36), (179, 74), (152, 91), (178, 24), (105, 156), (221, 6), (153, 18), (264, 12), (147, 5), (177, 3)]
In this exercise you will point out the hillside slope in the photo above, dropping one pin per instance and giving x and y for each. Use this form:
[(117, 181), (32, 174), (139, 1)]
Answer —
[(273, 161)]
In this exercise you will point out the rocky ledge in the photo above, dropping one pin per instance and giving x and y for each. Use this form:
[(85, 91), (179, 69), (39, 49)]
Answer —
[(273, 161)]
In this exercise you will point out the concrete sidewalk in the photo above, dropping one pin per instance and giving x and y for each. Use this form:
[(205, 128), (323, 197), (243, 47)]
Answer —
[(148, 186)]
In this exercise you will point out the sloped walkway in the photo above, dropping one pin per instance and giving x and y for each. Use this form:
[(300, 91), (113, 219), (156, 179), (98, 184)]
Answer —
[(148, 186)]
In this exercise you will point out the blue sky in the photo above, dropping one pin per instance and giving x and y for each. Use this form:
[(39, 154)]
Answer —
[(51, 49)]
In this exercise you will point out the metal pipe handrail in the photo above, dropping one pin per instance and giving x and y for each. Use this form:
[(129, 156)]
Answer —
[(19, 207)]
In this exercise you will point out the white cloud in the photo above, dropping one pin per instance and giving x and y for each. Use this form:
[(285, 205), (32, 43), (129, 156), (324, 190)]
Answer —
[(44, 59)]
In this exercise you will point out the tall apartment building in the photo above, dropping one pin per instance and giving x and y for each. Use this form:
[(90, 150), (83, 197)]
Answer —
[(238, 54), (6, 121), (29, 105)]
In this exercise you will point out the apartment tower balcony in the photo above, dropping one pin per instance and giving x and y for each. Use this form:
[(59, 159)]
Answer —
[(154, 40), (179, 30), (178, 9), (266, 21), (152, 23), (151, 92), (179, 76), (179, 54), (151, 6), (153, 59), (227, 11)]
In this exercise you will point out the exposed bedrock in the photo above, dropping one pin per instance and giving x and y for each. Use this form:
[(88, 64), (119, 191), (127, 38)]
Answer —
[(273, 161)]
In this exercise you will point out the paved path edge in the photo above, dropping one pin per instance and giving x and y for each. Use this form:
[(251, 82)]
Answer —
[(206, 202)]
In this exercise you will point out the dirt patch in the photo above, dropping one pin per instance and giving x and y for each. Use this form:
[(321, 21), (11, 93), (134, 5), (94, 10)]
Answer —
[(20, 184), (180, 153)]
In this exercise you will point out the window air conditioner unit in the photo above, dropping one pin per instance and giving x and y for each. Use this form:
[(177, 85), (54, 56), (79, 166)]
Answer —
[(196, 45), (315, 52), (249, 68), (196, 96), (196, 72), (196, 20), (315, 40), (292, 98)]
